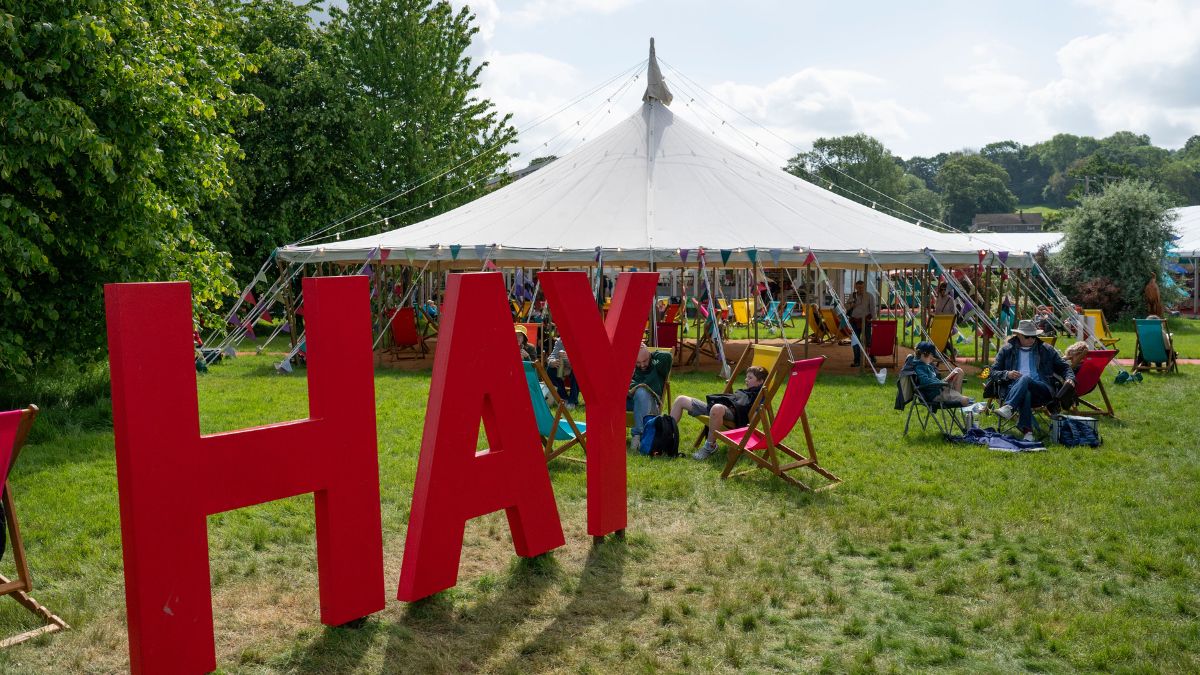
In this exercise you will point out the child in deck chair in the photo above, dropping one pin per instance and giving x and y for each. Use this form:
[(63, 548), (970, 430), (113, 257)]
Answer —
[(734, 410), (527, 351), (646, 389), (933, 388)]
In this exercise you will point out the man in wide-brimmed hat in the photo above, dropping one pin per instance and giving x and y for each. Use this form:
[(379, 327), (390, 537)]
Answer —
[(1024, 375)]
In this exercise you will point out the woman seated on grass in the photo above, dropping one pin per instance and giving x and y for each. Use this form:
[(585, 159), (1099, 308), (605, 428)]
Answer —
[(737, 413), (935, 389)]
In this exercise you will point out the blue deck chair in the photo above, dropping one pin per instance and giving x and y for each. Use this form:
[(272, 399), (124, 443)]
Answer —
[(552, 426), (1154, 348), (772, 315), (788, 311)]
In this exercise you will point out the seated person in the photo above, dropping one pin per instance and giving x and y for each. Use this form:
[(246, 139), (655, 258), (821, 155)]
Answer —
[(1023, 374), (646, 389), (537, 313), (527, 351), (561, 375), (720, 414), (1166, 338), (1044, 321), (1075, 355), (934, 389)]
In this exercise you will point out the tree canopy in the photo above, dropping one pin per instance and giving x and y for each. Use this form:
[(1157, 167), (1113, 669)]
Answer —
[(971, 184)]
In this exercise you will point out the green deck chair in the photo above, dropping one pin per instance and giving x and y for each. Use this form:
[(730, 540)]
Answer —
[(552, 426), (1154, 348)]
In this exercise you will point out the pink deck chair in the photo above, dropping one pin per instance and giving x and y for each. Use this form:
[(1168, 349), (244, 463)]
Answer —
[(1088, 379), (407, 343), (761, 441), (883, 341)]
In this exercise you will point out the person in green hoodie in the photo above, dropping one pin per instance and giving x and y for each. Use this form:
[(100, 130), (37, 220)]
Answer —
[(646, 389)]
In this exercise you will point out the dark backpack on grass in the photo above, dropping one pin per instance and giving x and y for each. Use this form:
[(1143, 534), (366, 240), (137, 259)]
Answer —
[(660, 436)]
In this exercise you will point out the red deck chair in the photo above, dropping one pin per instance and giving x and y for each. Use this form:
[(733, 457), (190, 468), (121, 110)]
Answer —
[(762, 440), (883, 341), (14, 428), (407, 343), (672, 313), (1088, 379)]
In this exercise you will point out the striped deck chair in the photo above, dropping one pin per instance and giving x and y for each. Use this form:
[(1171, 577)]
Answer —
[(556, 427), (761, 441), (1154, 350), (773, 359), (1088, 379)]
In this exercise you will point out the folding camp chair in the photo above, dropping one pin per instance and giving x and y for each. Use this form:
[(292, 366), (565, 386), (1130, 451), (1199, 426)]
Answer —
[(773, 359), (741, 312), (1088, 379), (666, 395), (884, 339), (945, 416), (941, 327), (1100, 329), (1154, 348), (14, 429), (761, 440), (553, 427), (407, 342), (788, 317)]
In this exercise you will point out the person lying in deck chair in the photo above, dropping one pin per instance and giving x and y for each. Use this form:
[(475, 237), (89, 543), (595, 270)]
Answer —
[(722, 408), (933, 388), (1023, 374), (646, 389)]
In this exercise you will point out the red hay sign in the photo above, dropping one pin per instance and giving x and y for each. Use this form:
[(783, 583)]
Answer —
[(170, 477)]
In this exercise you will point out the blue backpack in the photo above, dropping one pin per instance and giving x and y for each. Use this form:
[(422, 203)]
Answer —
[(660, 436)]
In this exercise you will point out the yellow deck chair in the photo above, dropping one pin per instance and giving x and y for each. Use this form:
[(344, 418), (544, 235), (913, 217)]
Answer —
[(1102, 332), (741, 312), (1051, 340), (940, 330), (771, 358), (832, 325), (816, 329)]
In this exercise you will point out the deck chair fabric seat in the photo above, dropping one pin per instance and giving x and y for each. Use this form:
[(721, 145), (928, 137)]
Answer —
[(833, 328), (553, 427), (1154, 349), (762, 440), (884, 333), (773, 359), (407, 341), (788, 316), (666, 395), (741, 312), (1099, 324), (1088, 378), (941, 328)]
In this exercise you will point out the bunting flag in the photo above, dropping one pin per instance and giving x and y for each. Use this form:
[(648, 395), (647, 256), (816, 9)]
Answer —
[(683, 254), (454, 249), (384, 254), (775, 253), (982, 255), (599, 253), (1035, 270), (481, 251), (725, 253), (933, 267), (410, 254), (752, 254), (1003, 256), (489, 265), (1004, 274), (809, 259), (249, 298)]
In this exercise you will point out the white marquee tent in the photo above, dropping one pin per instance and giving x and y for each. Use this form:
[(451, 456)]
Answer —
[(1188, 227)]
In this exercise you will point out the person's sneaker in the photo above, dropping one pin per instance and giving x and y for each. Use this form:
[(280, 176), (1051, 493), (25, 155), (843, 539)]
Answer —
[(1005, 411), (570, 406), (705, 451), (1028, 436), (635, 442)]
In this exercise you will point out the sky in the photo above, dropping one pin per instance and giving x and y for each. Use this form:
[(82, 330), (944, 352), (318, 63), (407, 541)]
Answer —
[(773, 75)]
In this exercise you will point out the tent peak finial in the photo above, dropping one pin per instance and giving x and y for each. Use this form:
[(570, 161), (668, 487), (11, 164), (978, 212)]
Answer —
[(656, 87)]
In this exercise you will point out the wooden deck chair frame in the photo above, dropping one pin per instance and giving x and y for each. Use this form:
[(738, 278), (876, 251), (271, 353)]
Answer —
[(407, 341), (1093, 366), (788, 318), (834, 327), (561, 414), (762, 427), (1140, 361), (703, 344), (941, 331), (20, 587), (1103, 334), (774, 359)]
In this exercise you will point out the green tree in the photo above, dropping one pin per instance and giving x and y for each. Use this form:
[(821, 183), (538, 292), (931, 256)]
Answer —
[(850, 163), (924, 202), (1181, 180), (1120, 234), (971, 184), (114, 134), (1027, 173), (926, 168)]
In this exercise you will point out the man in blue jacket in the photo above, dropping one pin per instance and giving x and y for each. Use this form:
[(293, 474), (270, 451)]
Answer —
[(1024, 372)]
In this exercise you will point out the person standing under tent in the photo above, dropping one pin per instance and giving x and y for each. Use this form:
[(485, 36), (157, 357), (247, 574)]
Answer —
[(1154, 303), (1023, 374), (646, 388), (943, 303), (862, 308)]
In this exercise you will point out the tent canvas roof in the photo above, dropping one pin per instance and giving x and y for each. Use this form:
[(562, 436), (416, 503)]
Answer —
[(1188, 227), (648, 187)]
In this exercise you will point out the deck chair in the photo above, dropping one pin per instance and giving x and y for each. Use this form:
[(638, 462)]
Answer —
[(556, 427), (671, 315), (788, 317), (833, 327), (1103, 334), (771, 318), (1154, 348), (666, 396), (772, 358), (1088, 379), (945, 416), (703, 345), (817, 333), (1051, 340), (761, 441), (941, 329), (741, 312), (884, 334), (14, 429), (407, 342)]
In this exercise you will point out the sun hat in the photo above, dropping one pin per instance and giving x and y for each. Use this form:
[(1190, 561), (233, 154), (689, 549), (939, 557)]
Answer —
[(522, 330), (1027, 328)]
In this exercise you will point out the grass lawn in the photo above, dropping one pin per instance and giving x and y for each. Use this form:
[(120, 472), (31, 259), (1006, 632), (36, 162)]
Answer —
[(929, 557)]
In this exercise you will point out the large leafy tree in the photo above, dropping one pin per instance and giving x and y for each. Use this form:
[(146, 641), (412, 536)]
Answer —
[(114, 134), (1120, 234), (851, 163), (1027, 173), (971, 184)]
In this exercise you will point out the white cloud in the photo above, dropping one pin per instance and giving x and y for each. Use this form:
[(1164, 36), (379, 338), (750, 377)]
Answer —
[(1143, 74), (534, 11)]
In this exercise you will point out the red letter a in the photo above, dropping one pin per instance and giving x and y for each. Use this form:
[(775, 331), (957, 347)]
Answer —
[(477, 373), (171, 478), (603, 356)]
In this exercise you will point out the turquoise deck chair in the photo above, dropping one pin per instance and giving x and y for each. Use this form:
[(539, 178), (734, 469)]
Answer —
[(1153, 347), (788, 310), (552, 426)]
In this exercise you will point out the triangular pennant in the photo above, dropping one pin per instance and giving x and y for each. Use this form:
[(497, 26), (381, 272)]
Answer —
[(775, 253), (481, 251), (1003, 256), (725, 253), (489, 265), (683, 254), (752, 254), (385, 254), (982, 254), (1035, 271), (454, 249), (410, 254), (933, 266), (809, 259), (249, 298), (284, 366)]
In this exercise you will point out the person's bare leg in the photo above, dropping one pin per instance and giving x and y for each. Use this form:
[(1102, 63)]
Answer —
[(681, 403), (716, 421)]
